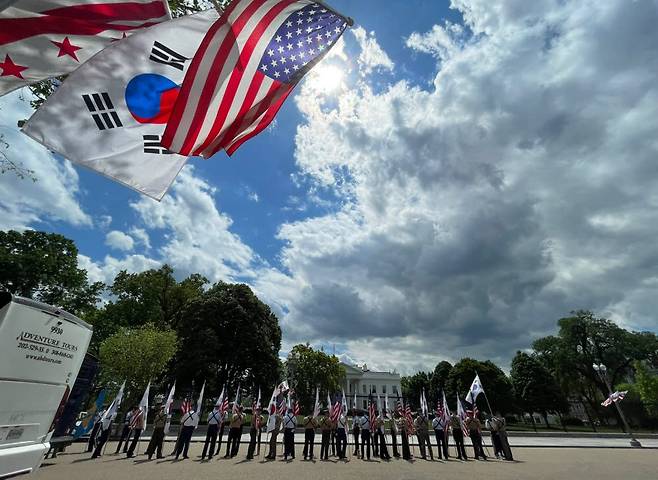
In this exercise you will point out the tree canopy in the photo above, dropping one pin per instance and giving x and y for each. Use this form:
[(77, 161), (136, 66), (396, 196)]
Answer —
[(412, 387)]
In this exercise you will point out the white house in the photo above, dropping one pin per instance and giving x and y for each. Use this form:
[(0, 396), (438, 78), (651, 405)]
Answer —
[(362, 381)]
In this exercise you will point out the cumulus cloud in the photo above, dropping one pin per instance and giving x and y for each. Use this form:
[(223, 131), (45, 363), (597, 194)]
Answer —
[(372, 56), (55, 194), (119, 240), (473, 214)]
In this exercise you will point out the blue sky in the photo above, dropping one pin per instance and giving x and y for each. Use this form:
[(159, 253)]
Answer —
[(461, 187)]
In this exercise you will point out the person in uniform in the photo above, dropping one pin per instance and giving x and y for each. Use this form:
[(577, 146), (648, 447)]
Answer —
[(475, 431), (355, 432), (325, 427), (188, 423), (333, 438), (341, 435), (93, 435), (310, 424), (105, 425), (458, 436), (492, 425), (364, 426), (234, 433), (289, 426), (274, 427), (214, 418), (423, 436), (404, 427), (220, 435), (158, 435), (254, 434), (374, 438), (137, 426), (501, 426), (440, 427), (380, 430), (125, 431), (394, 436)]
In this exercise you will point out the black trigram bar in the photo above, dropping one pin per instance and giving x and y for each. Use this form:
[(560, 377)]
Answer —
[(152, 145), (165, 55), (102, 110)]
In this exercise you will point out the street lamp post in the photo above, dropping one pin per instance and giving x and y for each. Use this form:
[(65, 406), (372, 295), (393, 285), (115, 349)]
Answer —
[(602, 371)]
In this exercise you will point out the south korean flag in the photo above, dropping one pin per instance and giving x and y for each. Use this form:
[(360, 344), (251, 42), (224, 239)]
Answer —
[(109, 115)]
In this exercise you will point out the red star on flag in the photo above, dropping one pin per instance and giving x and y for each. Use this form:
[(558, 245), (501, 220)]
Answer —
[(10, 68), (66, 48)]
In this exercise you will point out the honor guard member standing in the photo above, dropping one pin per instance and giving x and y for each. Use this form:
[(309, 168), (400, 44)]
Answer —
[(475, 431), (289, 426), (333, 438), (214, 418), (501, 427), (394, 436), (423, 436), (355, 432), (93, 436), (158, 435), (364, 425), (379, 432), (125, 431), (188, 423), (274, 427), (310, 424), (404, 427), (254, 434), (341, 435), (234, 433), (222, 423), (492, 426), (440, 427), (325, 428), (458, 436), (105, 425), (137, 426)]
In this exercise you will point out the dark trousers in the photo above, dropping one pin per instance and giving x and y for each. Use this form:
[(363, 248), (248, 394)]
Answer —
[(137, 432), (272, 453), (100, 442), (341, 441), (333, 443), (476, 440), (309, 441), (253, 436), (365, 443), (458, 435), (425, 444), (394, 443), (497, 445), (211, 439), (220, 436), (375, 443), (125, 437), (92, 436), (406, 452), (383, 451), (184, 441), (157, 438), (355, 433), (289, 443), (324, 446), (441, 443), (233, 441), (504, 442)]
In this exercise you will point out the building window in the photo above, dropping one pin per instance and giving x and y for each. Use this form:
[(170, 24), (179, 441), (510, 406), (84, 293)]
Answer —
[(395, 389), (374, 388), (365, 389), (383, 388), (365, 404)]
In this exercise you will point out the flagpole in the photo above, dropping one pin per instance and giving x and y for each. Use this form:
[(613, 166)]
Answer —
[(485, 396)]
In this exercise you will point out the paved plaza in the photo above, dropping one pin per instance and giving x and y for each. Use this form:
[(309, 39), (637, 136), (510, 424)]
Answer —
[(532, 463)]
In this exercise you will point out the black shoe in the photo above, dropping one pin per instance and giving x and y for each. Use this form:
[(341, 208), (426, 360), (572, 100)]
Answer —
[(159, 457), (185, 457)]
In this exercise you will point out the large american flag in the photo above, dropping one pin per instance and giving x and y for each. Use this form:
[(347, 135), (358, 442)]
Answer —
[(335, 411), (246, 66)]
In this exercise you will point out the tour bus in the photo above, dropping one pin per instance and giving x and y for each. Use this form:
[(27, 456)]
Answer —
[(41, 350)]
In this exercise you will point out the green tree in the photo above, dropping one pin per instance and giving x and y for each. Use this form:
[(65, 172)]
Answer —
[(412, 387), (228, 336), (438, 380), (307, 369), (646, 385), (151, 297), (536, 389), (497, 386), (44, 266), (136, 355)]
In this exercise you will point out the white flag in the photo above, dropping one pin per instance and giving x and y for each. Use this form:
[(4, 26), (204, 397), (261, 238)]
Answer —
[(110, 113), (220, 399), (140, 417), (111, 411), (354, 405), (316, 408), (168, 405), (40, 39), (199, 404), (386, 404), (446, 410), (343, 404), (237, 399), (475, 390)]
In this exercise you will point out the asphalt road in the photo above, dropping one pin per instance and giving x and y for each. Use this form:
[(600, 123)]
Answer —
[(531, 463)]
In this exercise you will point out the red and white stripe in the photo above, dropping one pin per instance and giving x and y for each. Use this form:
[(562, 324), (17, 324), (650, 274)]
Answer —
[(225, 100)]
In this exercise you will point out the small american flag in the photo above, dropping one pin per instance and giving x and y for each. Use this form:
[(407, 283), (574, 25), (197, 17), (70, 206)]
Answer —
[(372, 414), (246, 66), (282, 406), (398, 406), (295, 408), (462, 416), (186, 406), (335, 412), (410, 421)]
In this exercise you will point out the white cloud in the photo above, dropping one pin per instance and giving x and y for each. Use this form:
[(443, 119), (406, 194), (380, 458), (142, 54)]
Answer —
[(119, 240), (141, 236), (372, 57), (104, 221), (24, 203), (442, 41)]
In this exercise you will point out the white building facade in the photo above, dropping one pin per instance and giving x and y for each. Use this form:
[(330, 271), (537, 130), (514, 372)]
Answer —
[(363, 381)]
